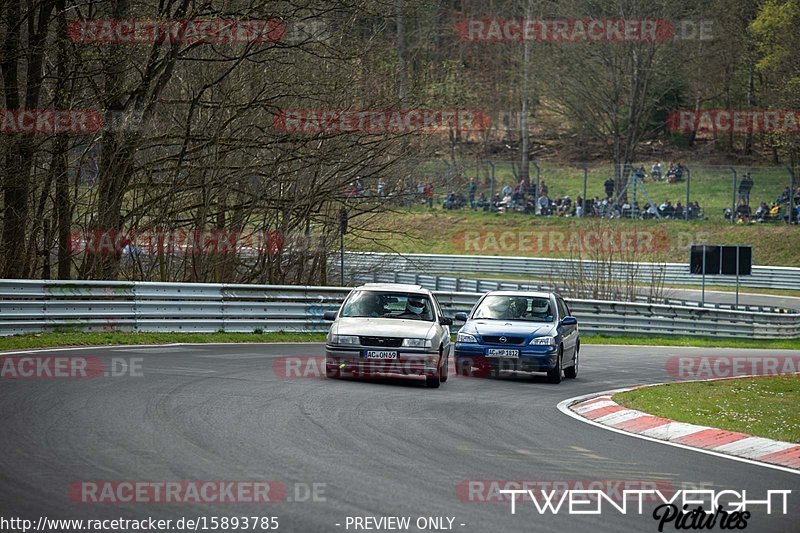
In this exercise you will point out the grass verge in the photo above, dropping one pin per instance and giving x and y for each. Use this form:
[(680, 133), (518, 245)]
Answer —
[(762, 406), (79, 338), (700, 342)]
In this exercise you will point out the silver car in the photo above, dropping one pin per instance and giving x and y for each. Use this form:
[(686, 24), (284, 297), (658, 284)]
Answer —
[(389, 328)]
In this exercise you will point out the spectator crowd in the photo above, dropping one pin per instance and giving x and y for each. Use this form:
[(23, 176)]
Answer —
[(613, 203), (785, 207), (524, 199)]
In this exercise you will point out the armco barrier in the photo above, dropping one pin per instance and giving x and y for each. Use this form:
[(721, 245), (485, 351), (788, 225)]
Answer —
[(555, 269), (447, 283), (28, 306)]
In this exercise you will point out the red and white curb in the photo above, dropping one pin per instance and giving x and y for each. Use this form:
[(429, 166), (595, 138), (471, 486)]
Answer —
[(600, 410)]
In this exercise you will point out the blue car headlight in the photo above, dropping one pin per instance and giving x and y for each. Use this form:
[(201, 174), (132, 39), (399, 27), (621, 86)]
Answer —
[(466, 337), (543, 341)]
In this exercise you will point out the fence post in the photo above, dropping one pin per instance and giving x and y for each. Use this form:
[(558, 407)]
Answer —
[(791, 195), (733, 206), (536, 192), (491, 189), (688, 185), (585, 179)]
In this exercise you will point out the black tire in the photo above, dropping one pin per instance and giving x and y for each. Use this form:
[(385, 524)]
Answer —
[(572, 372), (432, 380), (554, 375), (444, 374)]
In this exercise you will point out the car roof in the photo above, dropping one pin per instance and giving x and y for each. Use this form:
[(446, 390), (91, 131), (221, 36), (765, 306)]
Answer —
[(535, 294), (388, 287)]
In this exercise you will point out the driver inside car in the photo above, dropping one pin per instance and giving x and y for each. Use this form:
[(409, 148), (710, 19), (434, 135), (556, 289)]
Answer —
[(415, 307), (541, 309)]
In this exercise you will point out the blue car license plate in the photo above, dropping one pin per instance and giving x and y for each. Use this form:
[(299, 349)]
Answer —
[(502, 352)]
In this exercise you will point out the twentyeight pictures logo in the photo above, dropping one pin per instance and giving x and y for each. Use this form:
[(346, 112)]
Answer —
[(313, 121), (581, 30)]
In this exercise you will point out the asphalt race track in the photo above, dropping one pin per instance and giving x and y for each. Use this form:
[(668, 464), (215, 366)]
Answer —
[(388, 447)]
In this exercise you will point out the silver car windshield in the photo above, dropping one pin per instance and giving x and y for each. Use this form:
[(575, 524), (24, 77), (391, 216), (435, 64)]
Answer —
[(380, 304), (505, 307)]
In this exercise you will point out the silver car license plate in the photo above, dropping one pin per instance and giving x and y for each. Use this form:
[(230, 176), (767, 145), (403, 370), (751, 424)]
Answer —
[(502, 352), (380, 354)]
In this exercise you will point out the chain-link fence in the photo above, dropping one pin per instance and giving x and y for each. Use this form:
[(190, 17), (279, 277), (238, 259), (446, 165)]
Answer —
[(654, 189)]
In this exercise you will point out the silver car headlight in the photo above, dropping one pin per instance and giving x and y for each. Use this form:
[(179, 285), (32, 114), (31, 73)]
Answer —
[(344, 339), (417, 343), (466, 337), (543, 341)]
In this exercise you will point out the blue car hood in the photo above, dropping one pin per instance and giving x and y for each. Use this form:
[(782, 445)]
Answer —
[(509, 327)]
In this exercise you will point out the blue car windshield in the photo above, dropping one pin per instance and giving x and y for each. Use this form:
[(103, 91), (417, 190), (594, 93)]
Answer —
[(505, 307)]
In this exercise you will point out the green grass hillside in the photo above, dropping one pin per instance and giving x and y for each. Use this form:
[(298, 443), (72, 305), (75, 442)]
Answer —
[(420, 230)]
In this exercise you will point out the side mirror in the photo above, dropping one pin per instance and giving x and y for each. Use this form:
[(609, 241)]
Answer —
[(446, 321), (569, 321), (461, 317), (330, 315)]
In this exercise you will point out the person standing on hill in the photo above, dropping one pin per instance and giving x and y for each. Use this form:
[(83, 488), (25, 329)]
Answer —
[(609, 186), (745, 187), (471, 193)]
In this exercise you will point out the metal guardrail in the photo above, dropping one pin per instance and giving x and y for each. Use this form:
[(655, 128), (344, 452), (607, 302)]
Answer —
[(448, 283), (765, 277), (28, 306)]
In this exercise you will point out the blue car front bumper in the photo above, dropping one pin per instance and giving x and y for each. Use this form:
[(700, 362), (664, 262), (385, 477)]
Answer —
[(531, 358)]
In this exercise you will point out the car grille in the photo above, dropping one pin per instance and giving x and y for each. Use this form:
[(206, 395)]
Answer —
[(495, 339), (382, 342)]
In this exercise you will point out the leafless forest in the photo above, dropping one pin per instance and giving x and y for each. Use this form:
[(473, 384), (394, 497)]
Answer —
[(189, 141)]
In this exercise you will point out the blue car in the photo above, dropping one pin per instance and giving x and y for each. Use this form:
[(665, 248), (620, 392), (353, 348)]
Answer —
[(524, 331)]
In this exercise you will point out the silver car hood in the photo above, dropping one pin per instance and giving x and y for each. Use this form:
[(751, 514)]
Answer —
[(384, 327)]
